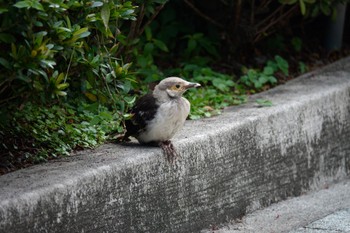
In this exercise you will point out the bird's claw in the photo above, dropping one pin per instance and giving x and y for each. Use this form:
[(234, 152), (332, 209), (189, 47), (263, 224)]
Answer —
[(169, 150)]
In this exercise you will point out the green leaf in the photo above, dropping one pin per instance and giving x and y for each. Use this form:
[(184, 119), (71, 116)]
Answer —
[(252, 74), (263, 79), (326, 10), (91, 96), (264, 103), (191, 45), (142, 61), (219, 84), (96, 4), (105, 13), (282, 65), (161, 1), (148, 33), (106, 115), (37, 85), (310, 1), (148, 49), (22, 4), (7, 38), (81, 33), (297, 43), (194, 117), (258, 84), (302, 7), (61, 93), (3, 10), (289, 2), (160, 44), (334, 14), (62, 86), (130, 100), (315, 12), (272, 79), (128, 116), (95, 120), (268, 70), (60, 78), (128, 14), (37, 5), (29, 4), (127, 66), (5, 63), (207, 114), (302, 67), (114, 49), (47, 63)]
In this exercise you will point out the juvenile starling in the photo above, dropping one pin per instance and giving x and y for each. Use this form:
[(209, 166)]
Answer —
[(158, 116)]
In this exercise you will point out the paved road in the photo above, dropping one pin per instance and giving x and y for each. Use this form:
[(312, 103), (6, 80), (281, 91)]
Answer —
[(323, 211), (339, 221)]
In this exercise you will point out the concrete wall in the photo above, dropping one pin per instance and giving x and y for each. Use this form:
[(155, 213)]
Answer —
[(242, 160)]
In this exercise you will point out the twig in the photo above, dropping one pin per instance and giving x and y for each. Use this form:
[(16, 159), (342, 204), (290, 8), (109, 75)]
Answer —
[(271, 16), (69, 64), (133, 27), (8, 99), (201, 14), (252, 13), (150, 20), (142, 15), (273, 22), (265, 3), (224, 2), (136, 30), (238, 13)]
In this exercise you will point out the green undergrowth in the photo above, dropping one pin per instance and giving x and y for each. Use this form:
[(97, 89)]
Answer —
[(57, 130)]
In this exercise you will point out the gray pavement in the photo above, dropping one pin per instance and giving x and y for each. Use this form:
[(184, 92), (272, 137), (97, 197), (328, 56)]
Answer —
[(339, 221), (323, 211)]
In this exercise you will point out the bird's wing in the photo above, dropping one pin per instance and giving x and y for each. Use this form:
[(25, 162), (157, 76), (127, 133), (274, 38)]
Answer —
[(143, 111)]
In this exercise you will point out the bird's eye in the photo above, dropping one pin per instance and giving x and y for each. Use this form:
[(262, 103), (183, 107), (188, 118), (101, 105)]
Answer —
[(177, 86)]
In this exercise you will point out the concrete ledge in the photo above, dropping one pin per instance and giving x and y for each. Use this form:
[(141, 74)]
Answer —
[(232, 164)]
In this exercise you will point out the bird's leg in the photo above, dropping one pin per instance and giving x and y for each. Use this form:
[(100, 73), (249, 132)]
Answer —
[(169, 150)]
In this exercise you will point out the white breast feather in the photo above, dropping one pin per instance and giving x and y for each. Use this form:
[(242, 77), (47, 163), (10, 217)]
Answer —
[(169, 119)]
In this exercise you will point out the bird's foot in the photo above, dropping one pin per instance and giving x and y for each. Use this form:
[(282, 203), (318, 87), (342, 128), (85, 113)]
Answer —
[(121, 138), (169, 150)]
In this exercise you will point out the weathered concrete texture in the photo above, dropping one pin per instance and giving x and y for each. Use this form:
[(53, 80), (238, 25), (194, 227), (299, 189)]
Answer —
[(232, 164)]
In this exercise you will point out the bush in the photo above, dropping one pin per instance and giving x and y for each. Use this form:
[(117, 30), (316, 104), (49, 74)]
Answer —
[(51, 48), (58, 57)]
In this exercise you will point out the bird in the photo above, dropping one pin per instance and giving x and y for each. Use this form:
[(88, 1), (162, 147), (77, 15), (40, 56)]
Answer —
[(156, 117)]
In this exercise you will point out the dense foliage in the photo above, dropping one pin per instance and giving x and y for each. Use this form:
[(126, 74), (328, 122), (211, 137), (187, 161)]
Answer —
[(70, 70)]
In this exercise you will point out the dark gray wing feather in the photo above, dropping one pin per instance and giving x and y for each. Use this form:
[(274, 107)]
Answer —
[(143, 111)]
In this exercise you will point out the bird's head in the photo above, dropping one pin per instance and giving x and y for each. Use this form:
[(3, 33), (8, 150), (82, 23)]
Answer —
[(174, 86)]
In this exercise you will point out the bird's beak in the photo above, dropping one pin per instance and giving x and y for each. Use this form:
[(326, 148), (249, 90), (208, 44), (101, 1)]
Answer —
[(192, 85)]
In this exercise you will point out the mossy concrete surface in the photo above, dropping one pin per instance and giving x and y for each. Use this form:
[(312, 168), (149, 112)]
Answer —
[(232, 164)]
